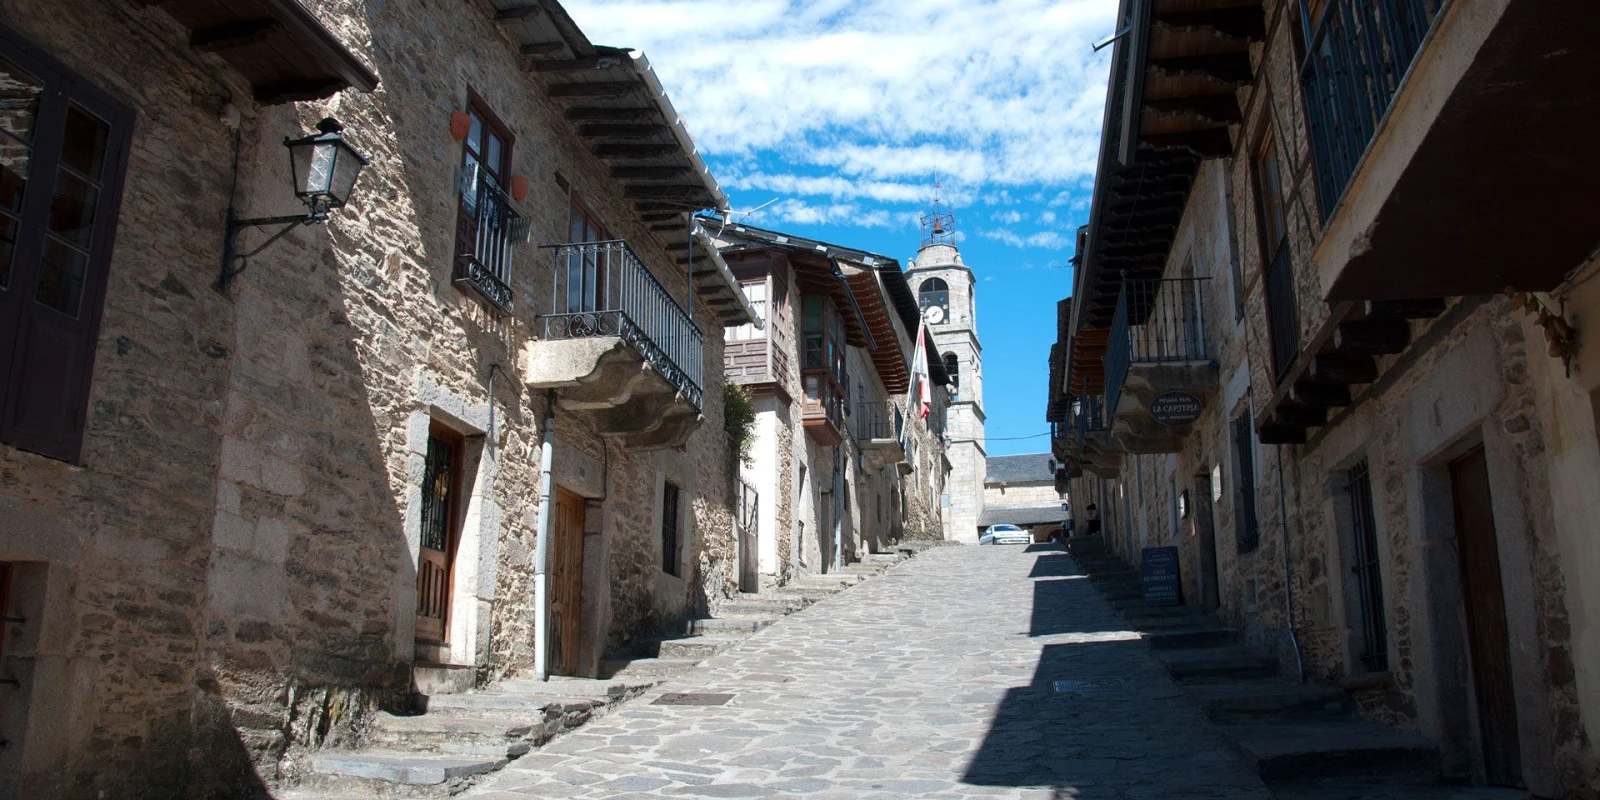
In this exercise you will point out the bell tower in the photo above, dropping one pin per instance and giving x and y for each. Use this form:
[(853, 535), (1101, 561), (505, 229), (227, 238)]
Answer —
[(945, 289)]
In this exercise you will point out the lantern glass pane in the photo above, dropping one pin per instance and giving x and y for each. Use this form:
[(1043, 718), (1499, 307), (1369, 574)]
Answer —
[(345, 170), (319, 174), (299, 155)]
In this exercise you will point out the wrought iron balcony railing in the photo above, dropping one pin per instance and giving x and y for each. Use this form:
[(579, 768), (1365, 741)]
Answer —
[(1087, 415), (1355, 59), (878, 421), (486, 229), (1155, 321), (603, 289)]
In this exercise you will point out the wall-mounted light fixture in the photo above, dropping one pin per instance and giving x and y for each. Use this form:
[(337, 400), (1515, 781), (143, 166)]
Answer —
[(324, 167)]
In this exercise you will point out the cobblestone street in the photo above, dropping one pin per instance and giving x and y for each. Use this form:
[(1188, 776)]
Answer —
[(965, 672)]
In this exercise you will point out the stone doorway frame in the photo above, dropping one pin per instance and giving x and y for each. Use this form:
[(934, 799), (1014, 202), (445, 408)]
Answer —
[(474, 566)]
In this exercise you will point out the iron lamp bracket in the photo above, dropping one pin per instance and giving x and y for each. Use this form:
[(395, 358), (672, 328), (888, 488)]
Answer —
[(235, 262)]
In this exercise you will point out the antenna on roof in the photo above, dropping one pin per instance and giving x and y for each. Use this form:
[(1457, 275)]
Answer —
[(728, 214), (939, 224)]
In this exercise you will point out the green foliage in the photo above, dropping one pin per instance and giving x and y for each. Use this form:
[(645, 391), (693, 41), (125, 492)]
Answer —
[(739, 418)]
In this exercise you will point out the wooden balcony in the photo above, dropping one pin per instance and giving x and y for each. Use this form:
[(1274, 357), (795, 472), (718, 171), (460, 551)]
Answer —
[(822, 413)]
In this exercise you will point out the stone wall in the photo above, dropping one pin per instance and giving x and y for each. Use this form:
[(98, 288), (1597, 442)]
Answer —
[(1021, 494), (248, 507)]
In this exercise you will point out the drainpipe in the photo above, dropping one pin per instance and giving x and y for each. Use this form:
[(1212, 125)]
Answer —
[(541, 549), (1288, 595), (838, 511)]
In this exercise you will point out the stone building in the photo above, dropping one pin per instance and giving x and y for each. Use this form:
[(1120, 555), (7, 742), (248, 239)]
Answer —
[(1305, 347), (237, 514), (947, 294), (1021, 490), (843, 462)]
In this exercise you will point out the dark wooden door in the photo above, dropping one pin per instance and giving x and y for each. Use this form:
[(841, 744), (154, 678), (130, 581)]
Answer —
[(566, 583), (1488, 639), (441, 481)]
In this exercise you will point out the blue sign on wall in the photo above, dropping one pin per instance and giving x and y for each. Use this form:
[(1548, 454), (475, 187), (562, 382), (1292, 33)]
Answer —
[(1158, 566)]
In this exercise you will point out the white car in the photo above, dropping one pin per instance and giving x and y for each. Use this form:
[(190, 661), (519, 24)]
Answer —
[(1005, 534)]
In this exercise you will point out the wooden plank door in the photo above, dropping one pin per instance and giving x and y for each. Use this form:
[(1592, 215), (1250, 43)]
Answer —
[(441, 529), (1488, 638), (566, 582)]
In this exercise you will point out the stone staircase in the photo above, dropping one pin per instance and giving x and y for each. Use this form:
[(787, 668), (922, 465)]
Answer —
[(1291, 732), (455, 737)]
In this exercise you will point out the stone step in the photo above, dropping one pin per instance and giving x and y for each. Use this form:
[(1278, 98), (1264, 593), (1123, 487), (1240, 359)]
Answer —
[(1190, 637), (1256, 701), (427, 678), (564, 686), (696, 647), (1141, 609), (399, 767), (686, 626), (1214, 663), (655, 669), (1345, 748), (768, 606), (511, 705), (458, 735)]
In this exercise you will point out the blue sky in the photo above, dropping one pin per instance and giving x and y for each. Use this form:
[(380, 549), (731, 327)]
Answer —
[(838, 114)]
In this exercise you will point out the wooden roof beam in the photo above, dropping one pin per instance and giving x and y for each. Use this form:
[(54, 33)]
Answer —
[(1216, 109), (621, 130), (1226, 68), (615, 150), (609, 114), (518, 12), (237, 34), (594, 89), (1208, 142), (1238, 22)]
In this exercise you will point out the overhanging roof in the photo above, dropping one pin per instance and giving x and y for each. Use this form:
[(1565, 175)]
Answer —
[(738, 237), (889, 355), (281, 48), (612, 99)]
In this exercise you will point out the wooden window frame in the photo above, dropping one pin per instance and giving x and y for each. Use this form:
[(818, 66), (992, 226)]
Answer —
[(467, 201), (47, 355), (1246, 523)]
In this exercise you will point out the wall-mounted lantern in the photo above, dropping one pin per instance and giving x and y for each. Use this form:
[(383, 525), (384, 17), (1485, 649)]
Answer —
[(324, 167)]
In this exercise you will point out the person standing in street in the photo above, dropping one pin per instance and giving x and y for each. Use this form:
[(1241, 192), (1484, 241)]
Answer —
[(1091, 517)]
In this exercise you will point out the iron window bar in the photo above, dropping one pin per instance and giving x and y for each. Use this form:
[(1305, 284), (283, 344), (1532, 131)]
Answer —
[(486, 267), (604, 289), (1369, 579), (1158, 320), (1355, 59)]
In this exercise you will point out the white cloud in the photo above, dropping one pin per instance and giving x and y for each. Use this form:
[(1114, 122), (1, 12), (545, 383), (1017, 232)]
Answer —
[(831, 103), (1048, 239), (1010, 217)]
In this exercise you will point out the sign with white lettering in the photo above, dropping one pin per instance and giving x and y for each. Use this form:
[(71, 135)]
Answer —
[(1175, 408), (1159, 569)]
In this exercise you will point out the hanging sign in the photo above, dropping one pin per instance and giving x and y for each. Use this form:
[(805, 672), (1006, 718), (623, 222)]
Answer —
[(1158, 567), (1175, 408)]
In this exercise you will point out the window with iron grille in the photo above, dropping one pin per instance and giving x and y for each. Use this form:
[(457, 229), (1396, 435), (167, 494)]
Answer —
[(485, 221), (1367, 574), (1247, 533), (669, 528), (63, 155)]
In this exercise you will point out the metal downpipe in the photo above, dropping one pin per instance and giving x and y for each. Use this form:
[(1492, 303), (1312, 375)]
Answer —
[(1288, 593), (541, 549)]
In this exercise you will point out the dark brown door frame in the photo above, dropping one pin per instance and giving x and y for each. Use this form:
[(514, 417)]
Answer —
[(1488, 631), (454, 512)]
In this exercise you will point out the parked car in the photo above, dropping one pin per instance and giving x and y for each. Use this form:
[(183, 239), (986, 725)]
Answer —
[(1005, 534)]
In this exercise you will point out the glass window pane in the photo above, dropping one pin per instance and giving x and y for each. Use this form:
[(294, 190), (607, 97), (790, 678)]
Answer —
[(493, 154), (83, 145), (61, 277), (475, 134), (13, 172), (72, 209), (8, 246), (19, 101)]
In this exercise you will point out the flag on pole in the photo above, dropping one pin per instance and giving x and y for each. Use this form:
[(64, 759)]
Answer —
[(918, 399)]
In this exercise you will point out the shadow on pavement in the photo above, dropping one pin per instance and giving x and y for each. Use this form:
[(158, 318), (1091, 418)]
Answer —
[(1054, 565), (1053, 732)]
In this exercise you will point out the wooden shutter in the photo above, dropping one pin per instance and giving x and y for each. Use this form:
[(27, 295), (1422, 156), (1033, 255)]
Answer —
[(65, 219)]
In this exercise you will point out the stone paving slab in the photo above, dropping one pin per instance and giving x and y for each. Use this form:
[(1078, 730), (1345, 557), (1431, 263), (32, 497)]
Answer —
[(954, 675)]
